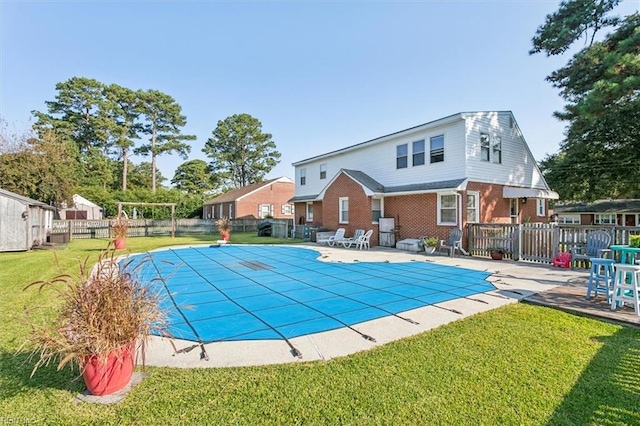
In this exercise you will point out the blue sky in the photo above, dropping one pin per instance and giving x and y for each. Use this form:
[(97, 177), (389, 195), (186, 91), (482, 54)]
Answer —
[(319, 75)]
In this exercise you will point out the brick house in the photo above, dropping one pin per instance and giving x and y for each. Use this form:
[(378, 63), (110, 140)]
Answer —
[(259, 200), (624, 212), (464, 168)]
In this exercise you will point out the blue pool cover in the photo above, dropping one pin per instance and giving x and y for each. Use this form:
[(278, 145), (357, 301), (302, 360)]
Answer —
[(244, 292)]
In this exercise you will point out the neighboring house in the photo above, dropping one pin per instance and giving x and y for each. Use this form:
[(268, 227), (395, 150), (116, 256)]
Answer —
[(600, 212), (81, 209), (24, 222), (259, 200), (467, 167)]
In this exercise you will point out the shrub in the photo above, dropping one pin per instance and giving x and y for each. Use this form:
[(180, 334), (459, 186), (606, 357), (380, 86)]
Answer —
[(430, 241)]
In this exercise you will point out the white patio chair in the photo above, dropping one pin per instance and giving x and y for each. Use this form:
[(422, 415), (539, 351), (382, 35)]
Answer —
[(339, 236), (363, 241), (348, 242)]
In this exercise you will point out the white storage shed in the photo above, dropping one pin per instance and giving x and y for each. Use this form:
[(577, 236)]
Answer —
[(24, 222)]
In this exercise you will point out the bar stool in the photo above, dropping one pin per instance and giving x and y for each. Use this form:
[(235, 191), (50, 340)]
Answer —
[(601, 277), (626, 286)]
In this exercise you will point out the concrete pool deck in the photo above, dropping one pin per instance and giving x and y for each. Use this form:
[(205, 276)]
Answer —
[(513, 281)]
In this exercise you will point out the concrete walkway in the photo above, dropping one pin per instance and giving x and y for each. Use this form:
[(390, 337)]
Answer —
[(513, 280)]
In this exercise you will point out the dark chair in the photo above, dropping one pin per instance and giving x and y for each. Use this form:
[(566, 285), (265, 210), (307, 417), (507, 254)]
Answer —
[(453, 243)]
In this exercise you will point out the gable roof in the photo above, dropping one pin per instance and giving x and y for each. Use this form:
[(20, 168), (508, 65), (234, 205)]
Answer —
[(301, 198), (25, 200), (373, 187), (364, 179), (600, 206), (433, 123), (238, 193), (79, 200)]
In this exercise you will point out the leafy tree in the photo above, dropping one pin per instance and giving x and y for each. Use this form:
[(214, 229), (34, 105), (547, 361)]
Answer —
[(124, 111), (240, 153), (194, 177), (573, 20), (600, 154), (45, 168), (78, 113), (140, 176), (163, 122), (101, 119), (97, 169)]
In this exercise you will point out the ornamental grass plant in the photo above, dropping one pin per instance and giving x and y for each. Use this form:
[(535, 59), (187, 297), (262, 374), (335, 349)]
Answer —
[(104, 308), (224, 227), (119, 228)]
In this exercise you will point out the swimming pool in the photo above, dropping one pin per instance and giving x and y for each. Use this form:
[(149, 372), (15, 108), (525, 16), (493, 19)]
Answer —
[(245, 292)]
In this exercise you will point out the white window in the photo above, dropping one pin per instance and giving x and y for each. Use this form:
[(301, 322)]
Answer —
[(401, 156), (323, 171), (418, 153), (344, 209), (303, 177), (484, 147), (571, 219), (496, 145), (437, 149), (376, 209), (540, 207), (220, 211), (265, 210), (287, 209), (231, 211), (605, 219), (310, 211), (447, 209), (473, 207)]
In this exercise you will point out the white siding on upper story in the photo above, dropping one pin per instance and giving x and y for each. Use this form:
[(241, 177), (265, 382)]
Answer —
[(518, 167), (378, 159)]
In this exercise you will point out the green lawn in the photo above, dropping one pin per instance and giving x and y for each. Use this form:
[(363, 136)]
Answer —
[(515, 365)]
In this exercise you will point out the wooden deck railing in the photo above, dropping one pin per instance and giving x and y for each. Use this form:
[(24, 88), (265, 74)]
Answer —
[(537, 242)]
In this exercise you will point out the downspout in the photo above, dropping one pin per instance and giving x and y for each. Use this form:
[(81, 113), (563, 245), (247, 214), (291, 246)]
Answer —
[(459, 195)]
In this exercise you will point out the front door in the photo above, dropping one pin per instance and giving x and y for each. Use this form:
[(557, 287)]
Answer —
[(514, 210), (629, 220)]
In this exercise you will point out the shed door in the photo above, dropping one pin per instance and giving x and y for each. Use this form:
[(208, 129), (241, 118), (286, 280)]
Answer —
[(76, 214)]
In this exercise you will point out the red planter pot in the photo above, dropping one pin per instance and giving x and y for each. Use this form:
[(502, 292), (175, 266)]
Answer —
[(225, 236), (120, 243), (496, 255), (112, 376)]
